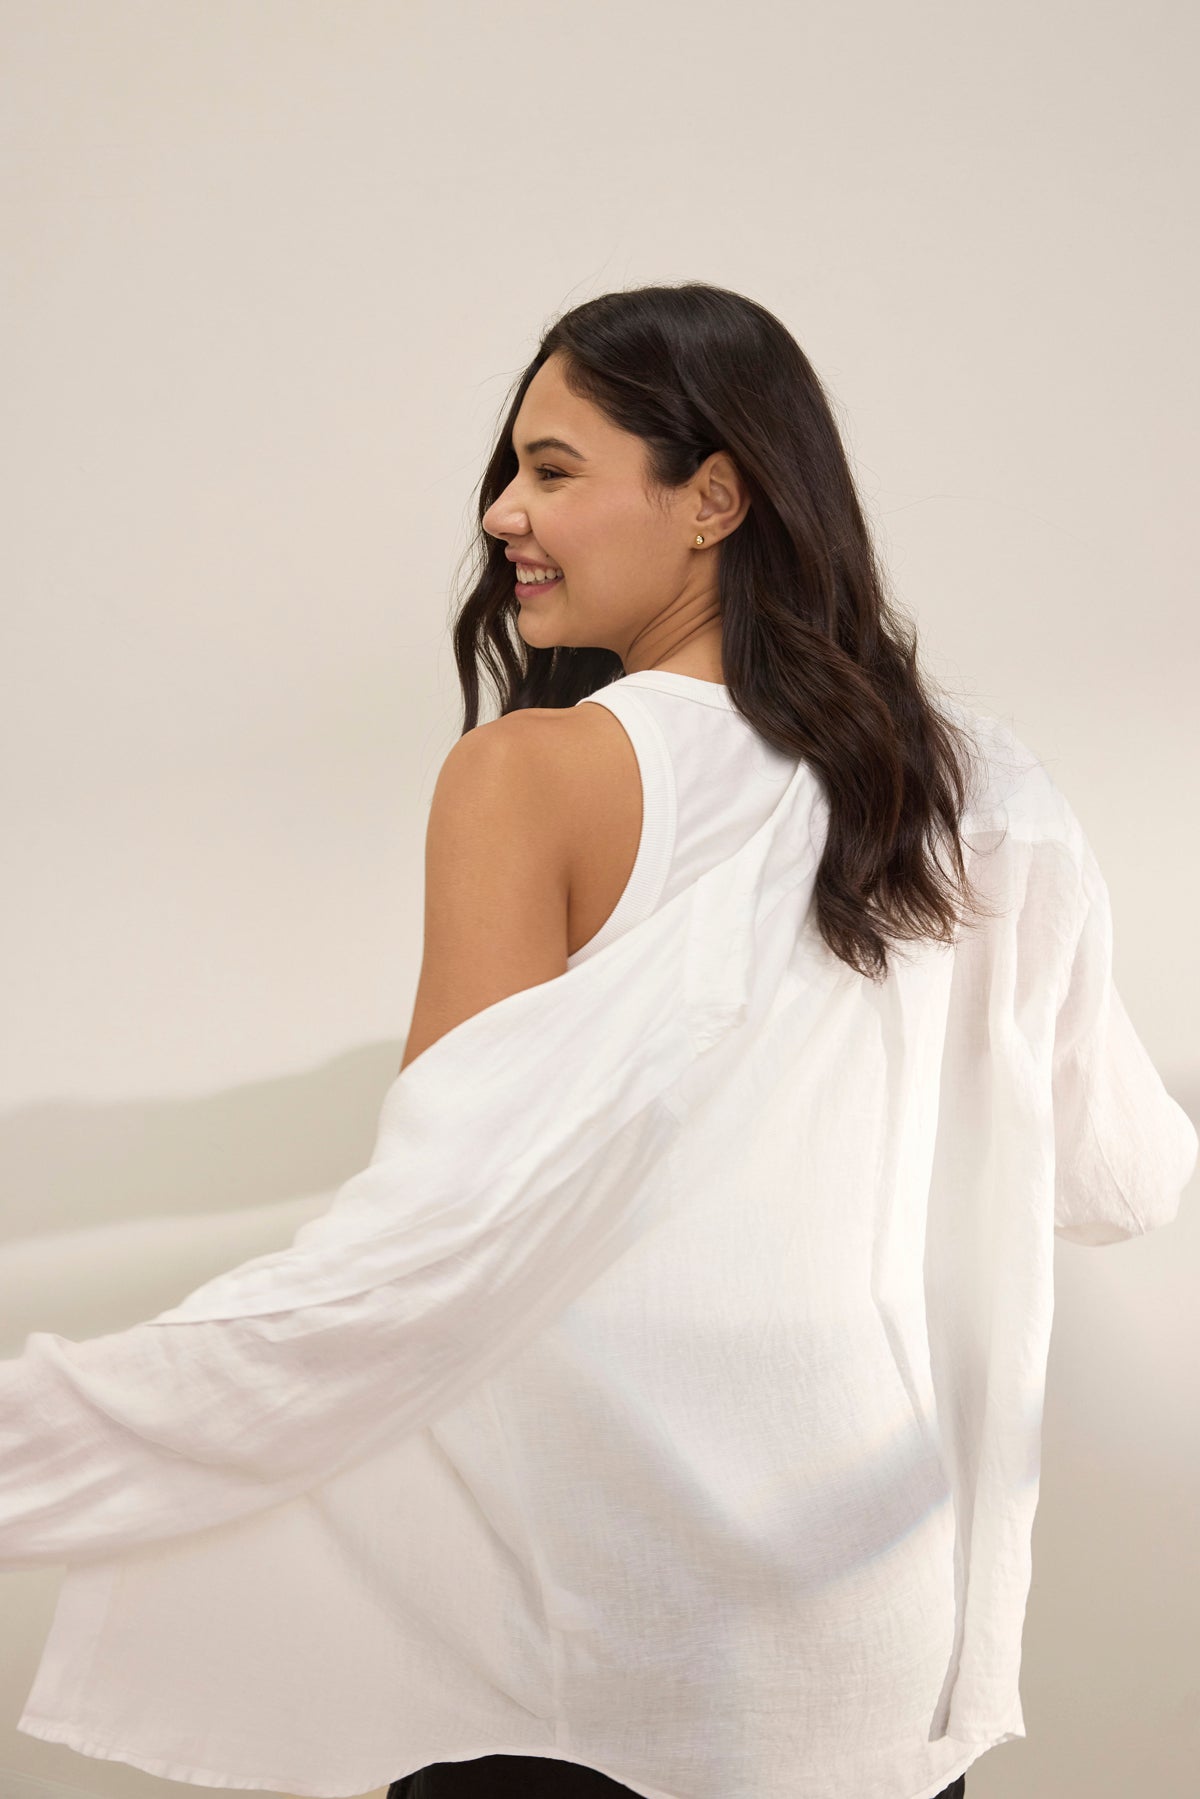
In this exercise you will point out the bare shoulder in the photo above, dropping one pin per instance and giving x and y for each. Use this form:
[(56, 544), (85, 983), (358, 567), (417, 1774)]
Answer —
[(545, 762), (584, 768), (538, 766), (514, 802)]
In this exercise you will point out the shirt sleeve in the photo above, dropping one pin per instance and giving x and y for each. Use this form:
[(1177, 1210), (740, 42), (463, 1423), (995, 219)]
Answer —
[(509, 1171), (1124, 1149), (517, 1157)]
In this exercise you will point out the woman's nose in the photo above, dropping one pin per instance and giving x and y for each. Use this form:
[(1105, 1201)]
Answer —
[(503, 520)]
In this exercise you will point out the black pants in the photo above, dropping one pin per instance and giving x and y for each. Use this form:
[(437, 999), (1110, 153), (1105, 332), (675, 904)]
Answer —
[(531, 1777)]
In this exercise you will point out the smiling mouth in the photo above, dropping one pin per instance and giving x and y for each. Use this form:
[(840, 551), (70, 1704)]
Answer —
[(525, 588)]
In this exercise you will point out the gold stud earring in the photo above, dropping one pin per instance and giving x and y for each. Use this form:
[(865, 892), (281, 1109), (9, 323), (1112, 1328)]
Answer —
[(699, 539)]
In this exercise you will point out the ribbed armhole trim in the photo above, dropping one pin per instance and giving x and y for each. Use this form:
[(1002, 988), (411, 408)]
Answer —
[(656, 845)]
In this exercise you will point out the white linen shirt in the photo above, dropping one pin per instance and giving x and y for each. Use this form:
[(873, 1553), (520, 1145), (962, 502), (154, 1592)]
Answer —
[(664, 1396)]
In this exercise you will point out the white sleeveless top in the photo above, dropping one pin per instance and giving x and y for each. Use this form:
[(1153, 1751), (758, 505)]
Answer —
[(708, 782)]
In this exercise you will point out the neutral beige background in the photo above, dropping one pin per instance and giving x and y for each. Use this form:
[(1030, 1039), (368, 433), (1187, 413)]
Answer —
[(270, 267)]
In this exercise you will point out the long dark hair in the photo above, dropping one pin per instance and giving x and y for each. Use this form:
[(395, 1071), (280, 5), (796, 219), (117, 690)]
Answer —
[(815, 653)]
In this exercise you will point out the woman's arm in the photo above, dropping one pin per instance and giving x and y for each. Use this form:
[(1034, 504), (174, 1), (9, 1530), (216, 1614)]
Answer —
[(497, 858)]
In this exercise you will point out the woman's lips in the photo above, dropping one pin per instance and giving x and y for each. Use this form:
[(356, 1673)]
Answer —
[(525, 588)]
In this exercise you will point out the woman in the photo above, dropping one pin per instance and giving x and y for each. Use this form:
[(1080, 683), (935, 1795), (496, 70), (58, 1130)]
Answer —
[(659, 1412), (668, 496)]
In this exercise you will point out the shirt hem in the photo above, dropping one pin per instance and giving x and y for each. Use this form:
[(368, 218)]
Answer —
[(52, 1732), (951, 1774)]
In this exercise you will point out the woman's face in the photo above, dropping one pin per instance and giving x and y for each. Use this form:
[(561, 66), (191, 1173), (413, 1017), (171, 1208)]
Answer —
[(632, 580)]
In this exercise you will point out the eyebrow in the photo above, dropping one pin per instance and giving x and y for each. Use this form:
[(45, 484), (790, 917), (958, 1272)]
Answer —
[(553, 443)]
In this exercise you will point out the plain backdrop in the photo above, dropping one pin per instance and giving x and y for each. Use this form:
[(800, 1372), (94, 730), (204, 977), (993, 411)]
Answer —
[(270, 268)]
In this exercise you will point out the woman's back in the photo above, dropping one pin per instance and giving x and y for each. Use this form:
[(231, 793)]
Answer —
[(760, 1586)]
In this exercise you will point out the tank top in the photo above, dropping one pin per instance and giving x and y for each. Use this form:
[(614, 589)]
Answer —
[(708, 782)]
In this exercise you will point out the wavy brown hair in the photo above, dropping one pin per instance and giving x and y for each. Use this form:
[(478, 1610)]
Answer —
[(815, 652)]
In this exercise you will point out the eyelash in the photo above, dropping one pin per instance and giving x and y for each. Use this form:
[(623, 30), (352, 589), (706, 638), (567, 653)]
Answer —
[(554, 473)]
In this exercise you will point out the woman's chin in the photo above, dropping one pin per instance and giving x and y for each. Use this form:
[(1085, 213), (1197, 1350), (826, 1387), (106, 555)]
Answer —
[(536, 632)]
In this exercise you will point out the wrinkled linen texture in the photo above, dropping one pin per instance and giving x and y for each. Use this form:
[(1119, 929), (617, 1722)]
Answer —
[(664, 1396)]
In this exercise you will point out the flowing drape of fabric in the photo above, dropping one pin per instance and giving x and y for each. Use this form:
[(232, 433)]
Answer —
[(285, 1569)]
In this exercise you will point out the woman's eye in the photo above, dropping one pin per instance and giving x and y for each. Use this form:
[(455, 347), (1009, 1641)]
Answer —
[(554, 474)]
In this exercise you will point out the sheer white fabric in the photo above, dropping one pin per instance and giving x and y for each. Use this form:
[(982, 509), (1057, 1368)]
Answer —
[(665, 1395)]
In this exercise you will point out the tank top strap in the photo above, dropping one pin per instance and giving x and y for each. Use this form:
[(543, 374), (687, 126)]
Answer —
[(656, 845)]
